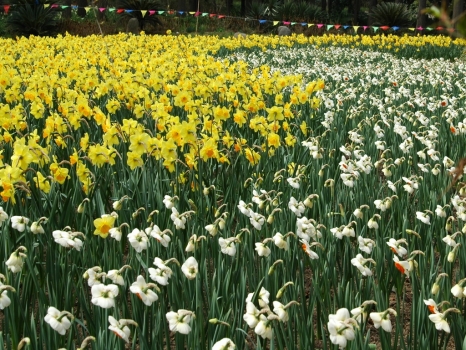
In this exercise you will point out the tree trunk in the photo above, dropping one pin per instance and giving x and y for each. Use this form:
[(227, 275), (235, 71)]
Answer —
[(324, 5), (421, 17), (372, 6), (229, 4), (81, 5), (243, 8), (193, 5), (66, 13), (458, 8), (356, 11)]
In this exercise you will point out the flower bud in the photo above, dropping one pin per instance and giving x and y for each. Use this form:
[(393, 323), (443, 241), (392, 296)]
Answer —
[(451, 256), (435, 289)]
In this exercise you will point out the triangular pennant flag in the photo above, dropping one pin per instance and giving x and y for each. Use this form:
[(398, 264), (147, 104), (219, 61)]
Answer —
[(420, 28), (286, 23), (197, 14), (64, 6), (151, 12), (375, 29), (275, 23), (143, 12), (221, 16), (304, 24), (384, 27), (320, 25), (129, 11), (181, 12), (112, 9), (329, 26), (429, 28), (102, 9), (365, 27), (395, 28), (160, 12), (439, 28), (120, 10), (74, 7), (293, 23), (309, 25), (54, 6), (204, 14), (345, 27), (212, 15), (262, 21), (412, 29), (6, 8), (337, 26), (46, 6), (192, 13), (355, 28), (87, 8)]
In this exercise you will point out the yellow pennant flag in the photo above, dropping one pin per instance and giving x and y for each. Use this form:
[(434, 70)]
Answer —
[(411, 29), (310, 25), (275, 23), (87, 8), (143, 12), (46, 5), (192, 13), (355, 28)]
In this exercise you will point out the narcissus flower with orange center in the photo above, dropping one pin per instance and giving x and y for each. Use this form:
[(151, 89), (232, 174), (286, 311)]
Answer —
[(209, 150), (104, 224), (60, 175), (403, 266)]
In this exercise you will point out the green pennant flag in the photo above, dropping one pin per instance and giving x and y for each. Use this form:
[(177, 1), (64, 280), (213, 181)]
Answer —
[(329, 26), (429, 28), (204, 14), (293, 23), (111, 9), (375, 29), (64, 6), (160, 12)]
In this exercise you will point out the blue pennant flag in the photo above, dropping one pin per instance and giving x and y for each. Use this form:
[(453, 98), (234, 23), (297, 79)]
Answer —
[(345, 27), (304, 24), (180, 12), (262, 21), (395, 28)]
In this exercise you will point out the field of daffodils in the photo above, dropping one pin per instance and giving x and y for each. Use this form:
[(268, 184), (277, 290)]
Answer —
[(192, 192)]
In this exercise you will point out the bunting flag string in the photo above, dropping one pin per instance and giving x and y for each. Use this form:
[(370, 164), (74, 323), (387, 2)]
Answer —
[(7, 9)]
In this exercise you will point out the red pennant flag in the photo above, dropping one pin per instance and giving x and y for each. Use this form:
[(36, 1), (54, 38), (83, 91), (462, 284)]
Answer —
[(221, 16), (286, 23), (6, 8), (197, 14), (151, 12), (385, 27), (420, 28), (101, 9), (212, 15), (439, 28), (54, 6), (337, 26), (120, 10)]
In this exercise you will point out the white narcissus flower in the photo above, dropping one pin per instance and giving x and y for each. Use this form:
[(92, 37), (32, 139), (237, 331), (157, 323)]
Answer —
[(440, 211), (372, 224), (296, 207), (227, 245), (161, 236), (178, 219), (143, 291), (104, 295), (396, 247), (294, 182), (358, 213), (115, 232), (3, 215), (262, 249), (340, 327), (19, 223), (280, 241), (15, 262), (458, 291), (440, 321), (121, 331), (423, 217), (306, 247), (5, 301), (138, 239), (58, 320), (382, 319), (280, 311), (161, 274), (169, 201), (179, 321), (116, 277), (257, 220), (224, 344), (94, 276), (366, 244), (432, 306), (212, 229), (251, 317), (244, 208), (360, 263), (37, 228), (67, 239), (403, 266), (264, 327), (190, 268)]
